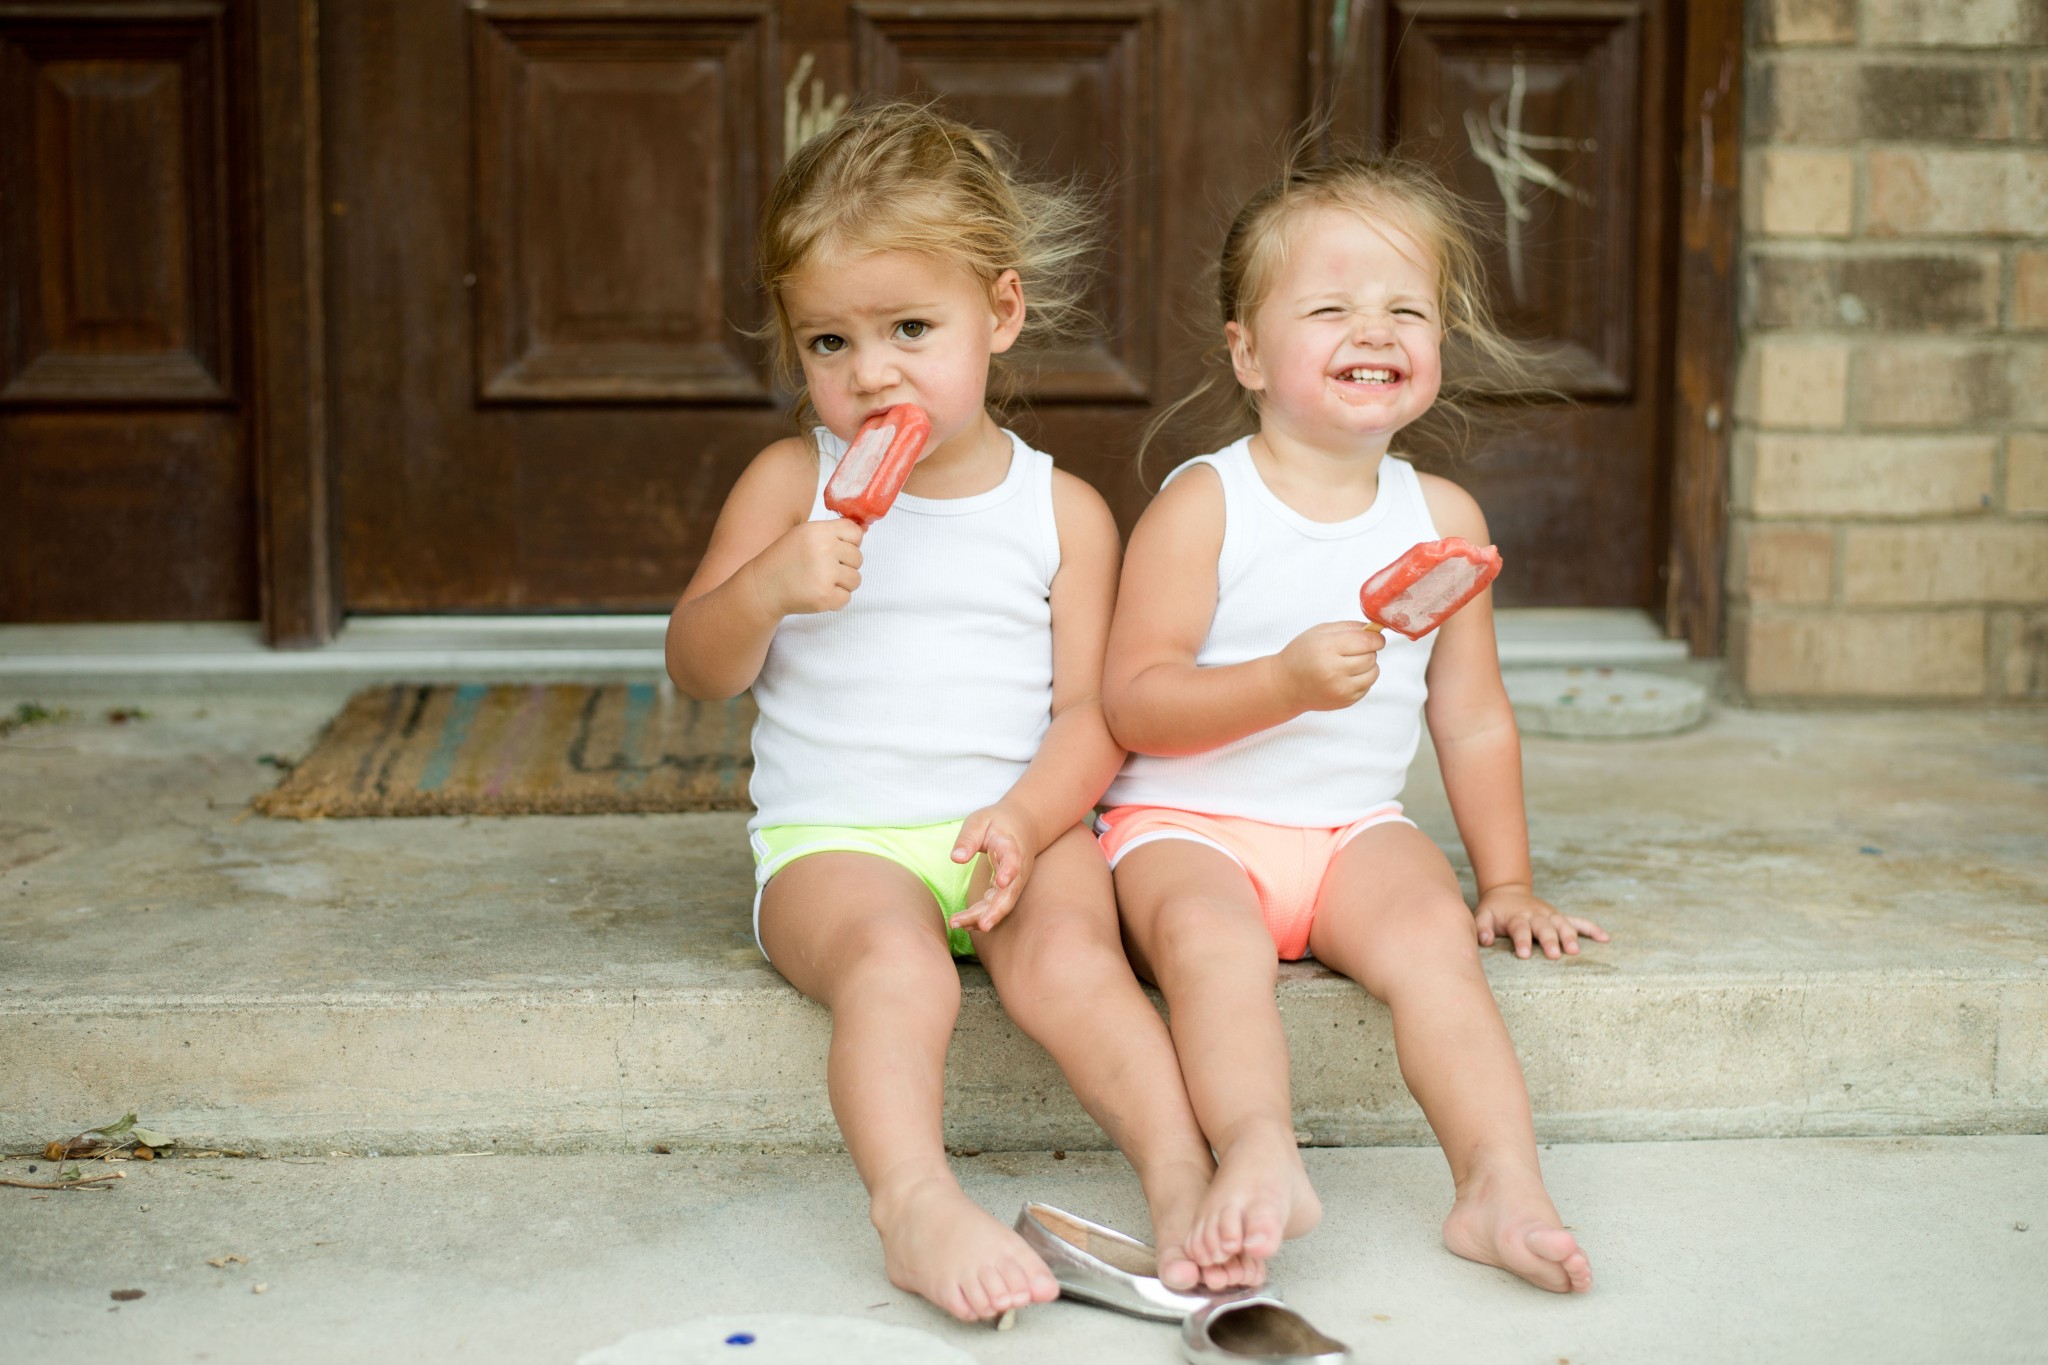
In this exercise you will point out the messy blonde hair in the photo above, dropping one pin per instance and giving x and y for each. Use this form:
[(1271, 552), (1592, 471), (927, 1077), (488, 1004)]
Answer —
[(1481, 360), (900, 176)]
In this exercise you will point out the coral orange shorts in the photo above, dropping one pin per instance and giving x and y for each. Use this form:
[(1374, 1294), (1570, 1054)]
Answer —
[(1286, 863)]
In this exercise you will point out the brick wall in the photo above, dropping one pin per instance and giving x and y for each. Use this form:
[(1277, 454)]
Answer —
[(1889, 493)]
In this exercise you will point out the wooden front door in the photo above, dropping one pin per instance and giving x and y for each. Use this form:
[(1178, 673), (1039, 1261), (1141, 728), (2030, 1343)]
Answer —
[(541, 215)]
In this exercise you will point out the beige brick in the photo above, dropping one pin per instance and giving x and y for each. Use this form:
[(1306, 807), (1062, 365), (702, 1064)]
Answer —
[(1934, 291), (2035, 124), (1803, 193), (1925, 101), (2026, 472), (1930, 384), (1885, 654), (1916, 191), (1788, 23), (2030, 289), (1822, 98), (1925, 565), (1954, 23), (1799, 384), (1802, 100), (1884, 476), (1785, 564), (2027, 382)]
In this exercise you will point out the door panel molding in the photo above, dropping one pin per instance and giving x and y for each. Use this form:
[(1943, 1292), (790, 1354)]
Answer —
[(115, 285), (1073, 88), (621, 156)]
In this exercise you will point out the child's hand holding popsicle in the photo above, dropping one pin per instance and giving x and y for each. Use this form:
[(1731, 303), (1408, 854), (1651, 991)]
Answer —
[(1331, 666), (815, 566), (812, 567)]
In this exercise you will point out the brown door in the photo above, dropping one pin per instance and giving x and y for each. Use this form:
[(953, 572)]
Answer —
[(127, 487), (540, 214)]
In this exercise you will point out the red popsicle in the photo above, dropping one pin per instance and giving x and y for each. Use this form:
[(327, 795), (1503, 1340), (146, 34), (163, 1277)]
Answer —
[(875, 467), (1419, 591)]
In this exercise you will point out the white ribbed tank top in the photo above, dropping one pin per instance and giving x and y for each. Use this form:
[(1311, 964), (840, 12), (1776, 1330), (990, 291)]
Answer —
[(925, 697), (1278, 574)]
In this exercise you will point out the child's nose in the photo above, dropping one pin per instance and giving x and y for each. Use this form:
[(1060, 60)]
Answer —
[(1373, 325), (874, 370)]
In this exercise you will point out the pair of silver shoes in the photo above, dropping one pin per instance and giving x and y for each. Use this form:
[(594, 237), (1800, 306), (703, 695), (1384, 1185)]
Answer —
[(1102, 1266)]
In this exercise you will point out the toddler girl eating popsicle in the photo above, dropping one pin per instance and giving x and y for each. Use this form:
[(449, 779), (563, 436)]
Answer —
[(1271, 728), (928, 671)]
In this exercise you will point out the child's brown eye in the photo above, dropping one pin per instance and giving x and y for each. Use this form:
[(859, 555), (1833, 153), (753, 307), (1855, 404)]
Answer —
[(827, 345), (912, 330)]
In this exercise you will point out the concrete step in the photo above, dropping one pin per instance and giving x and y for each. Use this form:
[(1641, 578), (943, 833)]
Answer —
[(1823, 923)]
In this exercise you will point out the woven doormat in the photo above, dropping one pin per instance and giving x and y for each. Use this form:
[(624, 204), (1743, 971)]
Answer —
[(522, 750)]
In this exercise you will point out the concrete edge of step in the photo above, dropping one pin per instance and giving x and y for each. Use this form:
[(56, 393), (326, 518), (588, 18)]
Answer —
[(1531, 979)]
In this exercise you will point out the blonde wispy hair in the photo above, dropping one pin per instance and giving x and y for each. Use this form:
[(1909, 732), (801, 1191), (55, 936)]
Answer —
[(901, 176), (1394, 191)]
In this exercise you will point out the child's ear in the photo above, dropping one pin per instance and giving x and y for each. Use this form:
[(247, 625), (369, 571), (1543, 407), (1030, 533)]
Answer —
[(1242, 361), (1006, 302)]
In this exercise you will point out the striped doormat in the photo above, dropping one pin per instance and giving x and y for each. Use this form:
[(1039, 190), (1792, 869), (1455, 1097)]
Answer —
[(410, 749)]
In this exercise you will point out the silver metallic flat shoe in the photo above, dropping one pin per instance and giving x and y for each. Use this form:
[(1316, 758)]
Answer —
[(1255, 1326), (1103, 1266)]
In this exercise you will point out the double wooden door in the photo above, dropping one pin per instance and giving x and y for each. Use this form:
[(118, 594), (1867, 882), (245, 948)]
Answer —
[(537, 219)]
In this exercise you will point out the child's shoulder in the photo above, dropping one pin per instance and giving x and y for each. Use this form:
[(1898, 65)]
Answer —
[(781, 480), (1455, 512), (1072, 493), (1184, 521), (1193, 490)]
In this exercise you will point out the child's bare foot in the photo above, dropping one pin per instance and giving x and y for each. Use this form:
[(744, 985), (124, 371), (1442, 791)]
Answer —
[(1173, 1196), (1260, 1197), (1507, 1220), (940, 1244)]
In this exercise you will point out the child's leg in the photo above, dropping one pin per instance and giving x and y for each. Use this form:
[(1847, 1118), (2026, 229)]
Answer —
[(1058, 963), (1391, 917), (1193, 926), (863, 936)]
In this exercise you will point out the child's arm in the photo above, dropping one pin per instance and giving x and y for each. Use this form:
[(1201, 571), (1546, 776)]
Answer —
[(1159, 701), (1473, 727), (1077, 758), (766, 560)]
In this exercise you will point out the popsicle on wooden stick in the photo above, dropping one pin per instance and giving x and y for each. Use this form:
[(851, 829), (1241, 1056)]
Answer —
[(1423, 588), (875, 467)]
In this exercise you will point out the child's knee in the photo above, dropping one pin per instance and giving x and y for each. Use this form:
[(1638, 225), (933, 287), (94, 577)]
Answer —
[(901, 962), (1202, 935), (1438, 930)]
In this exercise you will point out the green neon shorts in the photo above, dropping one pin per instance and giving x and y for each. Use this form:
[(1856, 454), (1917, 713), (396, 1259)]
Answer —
[(925, 850)]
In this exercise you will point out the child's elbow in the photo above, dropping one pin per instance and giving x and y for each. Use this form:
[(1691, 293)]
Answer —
[(699, 687)]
